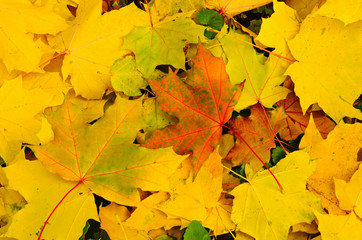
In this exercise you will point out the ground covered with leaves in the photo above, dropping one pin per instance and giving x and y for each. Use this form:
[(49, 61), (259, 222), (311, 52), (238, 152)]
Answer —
[(180, 119)]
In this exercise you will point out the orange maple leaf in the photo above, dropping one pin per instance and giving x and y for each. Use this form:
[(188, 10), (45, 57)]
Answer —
[(203, 105)]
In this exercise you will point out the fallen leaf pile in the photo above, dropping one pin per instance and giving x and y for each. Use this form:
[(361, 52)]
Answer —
[(134, 118)]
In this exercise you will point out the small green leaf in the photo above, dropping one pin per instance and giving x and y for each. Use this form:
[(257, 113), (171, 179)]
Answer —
[(358, 106), (195, 231), (255, 25), (85, 230), (277, 154), (212, 19)]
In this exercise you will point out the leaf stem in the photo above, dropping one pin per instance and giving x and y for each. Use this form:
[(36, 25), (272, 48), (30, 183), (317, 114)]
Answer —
[(149, 11), (271, 127), (237, 174), (41, 65), (55, 208)]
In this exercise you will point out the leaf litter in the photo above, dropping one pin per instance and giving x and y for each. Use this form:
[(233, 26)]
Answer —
[(85, 132)]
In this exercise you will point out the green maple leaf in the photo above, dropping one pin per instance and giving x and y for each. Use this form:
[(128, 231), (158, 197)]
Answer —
[(195, 231), (261, 210), (103, 156), (162, 43)]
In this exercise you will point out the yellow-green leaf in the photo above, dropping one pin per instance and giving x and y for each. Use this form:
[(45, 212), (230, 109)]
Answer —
[(163, 42), (102, 155), (261, 76)]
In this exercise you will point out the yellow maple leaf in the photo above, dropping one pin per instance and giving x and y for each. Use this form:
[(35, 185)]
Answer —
[(49, 82), (19, 22), (349, 194), (43, 190), (338, 159), (18, 120), (60, 7), (334, 227), (255, 213), (90, 48), (112, 220), (346, 11), (201, 198), (146, 217), (25, 17), (19, 51), (303, 7), (324, 76), (283, 25)]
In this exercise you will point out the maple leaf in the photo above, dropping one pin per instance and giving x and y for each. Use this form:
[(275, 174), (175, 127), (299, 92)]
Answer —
[(88, 9), (348, 12), (146, 217), (155, 118), (126, 78), (203, 106), (348, 193), (328, 78), (296, 122), (95, 151), (283, 25), (334, 227), (19, 51), (92, 153), (162, 42), (113, 218), (256, 133), (49, 82), (201, 198), (262, 76), (42, 190), (102, 156), (303, 7), (60, 7), (337, 156), (256, 215), (18, 121), (19, 22), (5, 74), (84, 46), (23, 16)]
